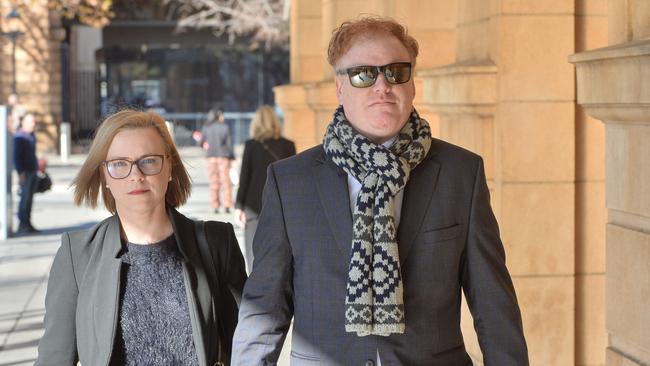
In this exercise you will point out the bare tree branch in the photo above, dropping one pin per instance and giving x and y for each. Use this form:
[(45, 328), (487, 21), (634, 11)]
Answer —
[(264, 20)]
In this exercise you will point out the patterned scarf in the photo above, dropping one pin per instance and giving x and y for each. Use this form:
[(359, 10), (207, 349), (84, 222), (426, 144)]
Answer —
[(374, 303)]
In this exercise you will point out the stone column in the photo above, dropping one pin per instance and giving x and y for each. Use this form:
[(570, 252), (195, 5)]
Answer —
[(613, 86), (590, 210), (509, 96)]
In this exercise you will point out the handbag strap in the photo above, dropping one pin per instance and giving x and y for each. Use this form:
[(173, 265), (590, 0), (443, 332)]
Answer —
[(268, 149), (206, 252)]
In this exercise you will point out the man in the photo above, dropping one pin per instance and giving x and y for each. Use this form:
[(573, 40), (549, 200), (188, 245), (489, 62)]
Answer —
[(26, 165), (368, 239)]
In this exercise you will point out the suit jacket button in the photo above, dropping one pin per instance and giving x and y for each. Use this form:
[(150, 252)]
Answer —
[(370, 363)]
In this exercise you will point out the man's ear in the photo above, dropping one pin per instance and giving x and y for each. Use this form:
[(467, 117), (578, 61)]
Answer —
[(339, 86)]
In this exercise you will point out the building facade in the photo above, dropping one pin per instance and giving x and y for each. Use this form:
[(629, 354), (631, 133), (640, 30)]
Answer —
[(37, 58)]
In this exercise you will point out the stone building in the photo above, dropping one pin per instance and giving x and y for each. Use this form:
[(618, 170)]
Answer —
[(38, 64), (494, 76)]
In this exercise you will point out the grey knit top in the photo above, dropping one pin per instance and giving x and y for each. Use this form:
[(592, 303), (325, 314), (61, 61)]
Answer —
[(154, 325)]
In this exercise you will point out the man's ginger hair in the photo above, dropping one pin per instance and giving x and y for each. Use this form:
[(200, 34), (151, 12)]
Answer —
[(350, 31)]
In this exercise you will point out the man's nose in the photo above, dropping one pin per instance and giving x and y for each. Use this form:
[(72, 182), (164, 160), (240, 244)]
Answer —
[(381, 85)]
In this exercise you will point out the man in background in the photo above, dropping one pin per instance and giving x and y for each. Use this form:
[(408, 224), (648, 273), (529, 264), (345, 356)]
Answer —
[(26, 165)]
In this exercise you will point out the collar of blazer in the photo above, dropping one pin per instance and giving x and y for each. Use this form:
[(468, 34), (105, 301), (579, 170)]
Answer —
[(331, 181), (183, 233)]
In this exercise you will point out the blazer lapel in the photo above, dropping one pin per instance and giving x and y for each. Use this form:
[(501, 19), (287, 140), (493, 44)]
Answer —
[(417, 197), (107, 299), (184, 230), (332, 186)]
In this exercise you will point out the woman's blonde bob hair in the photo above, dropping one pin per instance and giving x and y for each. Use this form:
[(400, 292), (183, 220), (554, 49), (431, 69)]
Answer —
[(265, 124), (90, 180)]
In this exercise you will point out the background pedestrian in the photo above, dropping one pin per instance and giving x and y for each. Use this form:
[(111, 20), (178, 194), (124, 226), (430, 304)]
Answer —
[(265, 147)]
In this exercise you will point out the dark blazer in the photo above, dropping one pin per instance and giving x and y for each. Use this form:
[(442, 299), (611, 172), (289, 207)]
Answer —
[(448, 240), (83, 296), (254, 163)]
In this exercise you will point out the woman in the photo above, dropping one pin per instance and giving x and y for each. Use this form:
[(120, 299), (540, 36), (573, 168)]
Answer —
[(142, 286), (265, 146), (216, 140)]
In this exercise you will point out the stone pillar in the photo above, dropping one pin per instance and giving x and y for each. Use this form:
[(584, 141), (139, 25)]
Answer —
[(509, 96), (612, 84), (307, 65), (591, 211)]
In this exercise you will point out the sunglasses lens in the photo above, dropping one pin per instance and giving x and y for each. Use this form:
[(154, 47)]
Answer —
[(397, 73), (362, 77)]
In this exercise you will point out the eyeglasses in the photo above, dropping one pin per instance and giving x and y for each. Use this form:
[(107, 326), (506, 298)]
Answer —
[(366, 76), (121, 168)]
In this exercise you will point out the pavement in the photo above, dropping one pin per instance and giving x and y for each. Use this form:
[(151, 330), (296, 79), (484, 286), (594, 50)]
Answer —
[(25, 261)]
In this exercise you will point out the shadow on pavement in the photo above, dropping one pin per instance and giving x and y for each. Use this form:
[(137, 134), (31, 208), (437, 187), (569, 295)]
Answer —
[(23, 314), (29, 361), (59, 230), (25, 344), (21, 281), (24, 328), (25, 257)]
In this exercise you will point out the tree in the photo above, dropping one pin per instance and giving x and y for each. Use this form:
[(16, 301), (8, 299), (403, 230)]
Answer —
[(265, 21), (96, 13)]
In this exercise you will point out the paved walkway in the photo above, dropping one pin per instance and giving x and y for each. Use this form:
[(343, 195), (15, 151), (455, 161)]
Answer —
[(25, 261)]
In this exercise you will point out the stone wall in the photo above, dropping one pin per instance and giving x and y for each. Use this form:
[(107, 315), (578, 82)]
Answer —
[(612, 85), (38, 65)]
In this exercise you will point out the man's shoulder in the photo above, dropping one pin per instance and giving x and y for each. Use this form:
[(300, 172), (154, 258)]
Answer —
[(22, 135), (301, 161), (316, 153), (448, 152)]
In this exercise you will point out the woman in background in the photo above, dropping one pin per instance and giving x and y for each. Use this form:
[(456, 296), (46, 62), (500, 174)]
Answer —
[(145, 286), (265, 147), (216, 140)]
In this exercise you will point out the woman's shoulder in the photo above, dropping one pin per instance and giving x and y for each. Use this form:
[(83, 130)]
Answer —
[(285, 141), (84, 239), (89, 232)]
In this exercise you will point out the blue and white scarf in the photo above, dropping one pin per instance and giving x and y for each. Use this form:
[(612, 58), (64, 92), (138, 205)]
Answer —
[(374, 303)]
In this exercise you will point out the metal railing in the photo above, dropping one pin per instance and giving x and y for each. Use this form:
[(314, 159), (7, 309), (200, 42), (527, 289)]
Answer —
[(185, 123)]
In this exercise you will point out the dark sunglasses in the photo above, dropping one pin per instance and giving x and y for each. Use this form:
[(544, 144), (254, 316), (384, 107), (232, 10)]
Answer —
[(365, 76), (148, 165)]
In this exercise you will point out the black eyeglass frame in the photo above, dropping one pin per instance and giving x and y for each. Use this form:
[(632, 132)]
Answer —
[(350, 71), (137, 163)]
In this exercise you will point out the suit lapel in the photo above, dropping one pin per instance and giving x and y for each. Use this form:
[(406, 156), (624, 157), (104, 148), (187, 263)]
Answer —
[(332, 186), (417, 197)]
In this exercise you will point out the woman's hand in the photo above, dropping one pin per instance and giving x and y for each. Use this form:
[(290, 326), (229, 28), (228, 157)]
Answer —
[(240, 218)]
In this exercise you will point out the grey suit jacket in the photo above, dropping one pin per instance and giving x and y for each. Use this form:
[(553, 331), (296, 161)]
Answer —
[(82, 298), (448, 240)]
